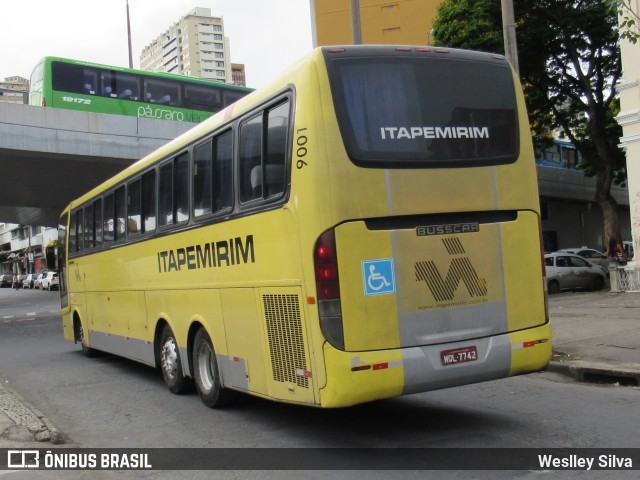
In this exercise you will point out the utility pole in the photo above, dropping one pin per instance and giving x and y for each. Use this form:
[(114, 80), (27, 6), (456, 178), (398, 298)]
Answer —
[(129, 37), (355, 22), (509, 34)]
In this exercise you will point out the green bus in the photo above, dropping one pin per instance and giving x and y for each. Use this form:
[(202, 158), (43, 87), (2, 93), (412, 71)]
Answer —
[(90, 87)]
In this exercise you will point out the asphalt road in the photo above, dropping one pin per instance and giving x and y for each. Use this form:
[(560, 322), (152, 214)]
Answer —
[(112, 402)]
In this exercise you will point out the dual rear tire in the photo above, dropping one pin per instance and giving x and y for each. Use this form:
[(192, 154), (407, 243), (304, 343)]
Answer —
[(206, 374)]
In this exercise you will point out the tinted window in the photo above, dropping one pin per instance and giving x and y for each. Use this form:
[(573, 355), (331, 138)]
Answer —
[(73, 241), (223, 172), (173, 200), (74, 78), (97, 212), (165, 197), (121, 213), (162, 92), (109, 218), (149, 201), (88, 227), (134, 210), (120, 85), (202, 98), (181, 191), (432, 111), (251, 159), (202, 175)]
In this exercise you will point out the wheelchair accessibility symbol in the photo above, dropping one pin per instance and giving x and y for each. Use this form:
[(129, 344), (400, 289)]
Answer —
[(378, 277)]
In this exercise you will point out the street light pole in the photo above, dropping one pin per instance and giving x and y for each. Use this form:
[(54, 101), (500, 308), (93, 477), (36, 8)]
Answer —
[(509, 34), (355, 22), (129, 37)]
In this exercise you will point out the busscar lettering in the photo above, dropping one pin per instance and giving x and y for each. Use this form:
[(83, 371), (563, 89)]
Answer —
[(399, 133), (222, 253)]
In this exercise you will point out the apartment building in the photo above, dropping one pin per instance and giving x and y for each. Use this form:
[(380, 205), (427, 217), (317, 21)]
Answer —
[(14, 90), (195, 45)]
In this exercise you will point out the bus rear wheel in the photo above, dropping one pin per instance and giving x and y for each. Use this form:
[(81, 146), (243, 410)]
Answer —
[(207, 374), (171, 364)]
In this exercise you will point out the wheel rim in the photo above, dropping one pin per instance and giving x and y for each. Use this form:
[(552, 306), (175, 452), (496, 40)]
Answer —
[(80, 334), (170, 358), (205, 367)]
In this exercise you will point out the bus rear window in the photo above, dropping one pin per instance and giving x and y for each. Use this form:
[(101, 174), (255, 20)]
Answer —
[(411, 111)]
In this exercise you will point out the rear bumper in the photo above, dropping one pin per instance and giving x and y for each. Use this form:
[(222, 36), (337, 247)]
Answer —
[(358, 377)]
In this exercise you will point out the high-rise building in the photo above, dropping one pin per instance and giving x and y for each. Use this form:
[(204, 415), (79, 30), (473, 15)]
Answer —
[(399, 22), (238, 74), (195, 45)]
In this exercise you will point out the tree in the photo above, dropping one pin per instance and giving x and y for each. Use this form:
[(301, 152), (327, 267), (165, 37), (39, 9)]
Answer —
[(569, 64), (629, 19)]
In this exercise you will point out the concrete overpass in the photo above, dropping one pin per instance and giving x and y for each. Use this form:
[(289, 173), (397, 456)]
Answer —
[(50, 156)]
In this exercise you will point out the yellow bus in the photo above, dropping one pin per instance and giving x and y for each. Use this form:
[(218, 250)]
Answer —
[(367, 226)]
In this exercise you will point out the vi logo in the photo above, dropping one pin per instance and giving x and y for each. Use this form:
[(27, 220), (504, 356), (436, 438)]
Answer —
[(460, 270)]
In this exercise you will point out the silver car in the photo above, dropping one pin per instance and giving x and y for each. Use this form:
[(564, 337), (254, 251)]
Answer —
[(592, 256), (572, 272)]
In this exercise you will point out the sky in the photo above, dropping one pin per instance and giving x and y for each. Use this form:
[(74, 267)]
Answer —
[(266, 35)]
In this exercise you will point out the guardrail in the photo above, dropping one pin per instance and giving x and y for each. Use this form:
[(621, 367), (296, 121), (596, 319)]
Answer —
[(625, 279)]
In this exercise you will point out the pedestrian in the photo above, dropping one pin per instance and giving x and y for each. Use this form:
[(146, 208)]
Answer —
[(615, 253), (15, 281)]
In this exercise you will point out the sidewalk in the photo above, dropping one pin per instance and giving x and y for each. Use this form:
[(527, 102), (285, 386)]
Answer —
[(596, 338)]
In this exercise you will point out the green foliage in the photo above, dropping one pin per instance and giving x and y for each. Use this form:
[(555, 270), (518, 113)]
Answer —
[(569, 64), (629, 20)]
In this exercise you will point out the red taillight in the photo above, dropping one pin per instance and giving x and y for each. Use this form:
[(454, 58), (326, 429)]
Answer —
[(326, 267), (325, 261)]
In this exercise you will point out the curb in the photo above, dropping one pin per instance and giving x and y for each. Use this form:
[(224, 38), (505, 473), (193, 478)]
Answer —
[(596, 372), (21, 422)]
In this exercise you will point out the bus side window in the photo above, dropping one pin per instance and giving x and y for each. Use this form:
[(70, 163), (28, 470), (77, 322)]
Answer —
[(202, 166), (251, 159), (97, 221), (73, 242), (80, 230), (165, 195), (88, 227), (149, 201), (223, 172), (134, 207), (181, 188), (274, 171), (263, 160), (108, 219), (120, 210)]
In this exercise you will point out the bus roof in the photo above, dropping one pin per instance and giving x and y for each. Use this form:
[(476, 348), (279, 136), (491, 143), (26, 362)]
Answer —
[(174, 76)]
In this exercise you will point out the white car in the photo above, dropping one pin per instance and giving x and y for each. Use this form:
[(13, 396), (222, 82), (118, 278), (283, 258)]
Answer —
[(571, 272), (592, 256), (50, 281)]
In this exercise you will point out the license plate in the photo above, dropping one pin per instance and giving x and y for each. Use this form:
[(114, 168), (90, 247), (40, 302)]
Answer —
[(459, 355)]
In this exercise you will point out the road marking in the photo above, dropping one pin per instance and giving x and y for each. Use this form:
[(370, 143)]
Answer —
[(8, 316), (30, 314)]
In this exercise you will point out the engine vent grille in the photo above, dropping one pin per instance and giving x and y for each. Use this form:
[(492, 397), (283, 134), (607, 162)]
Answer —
[(286, 342)]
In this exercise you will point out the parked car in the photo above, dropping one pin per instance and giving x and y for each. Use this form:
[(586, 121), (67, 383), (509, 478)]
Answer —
[(566, 271), (50, 281), (6, 280), (37, 283), (28, 281), (593, 256)]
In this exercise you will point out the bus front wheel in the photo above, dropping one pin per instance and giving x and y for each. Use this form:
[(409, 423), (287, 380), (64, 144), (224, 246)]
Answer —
[(207, 374), (171, 364), (80, 337)]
